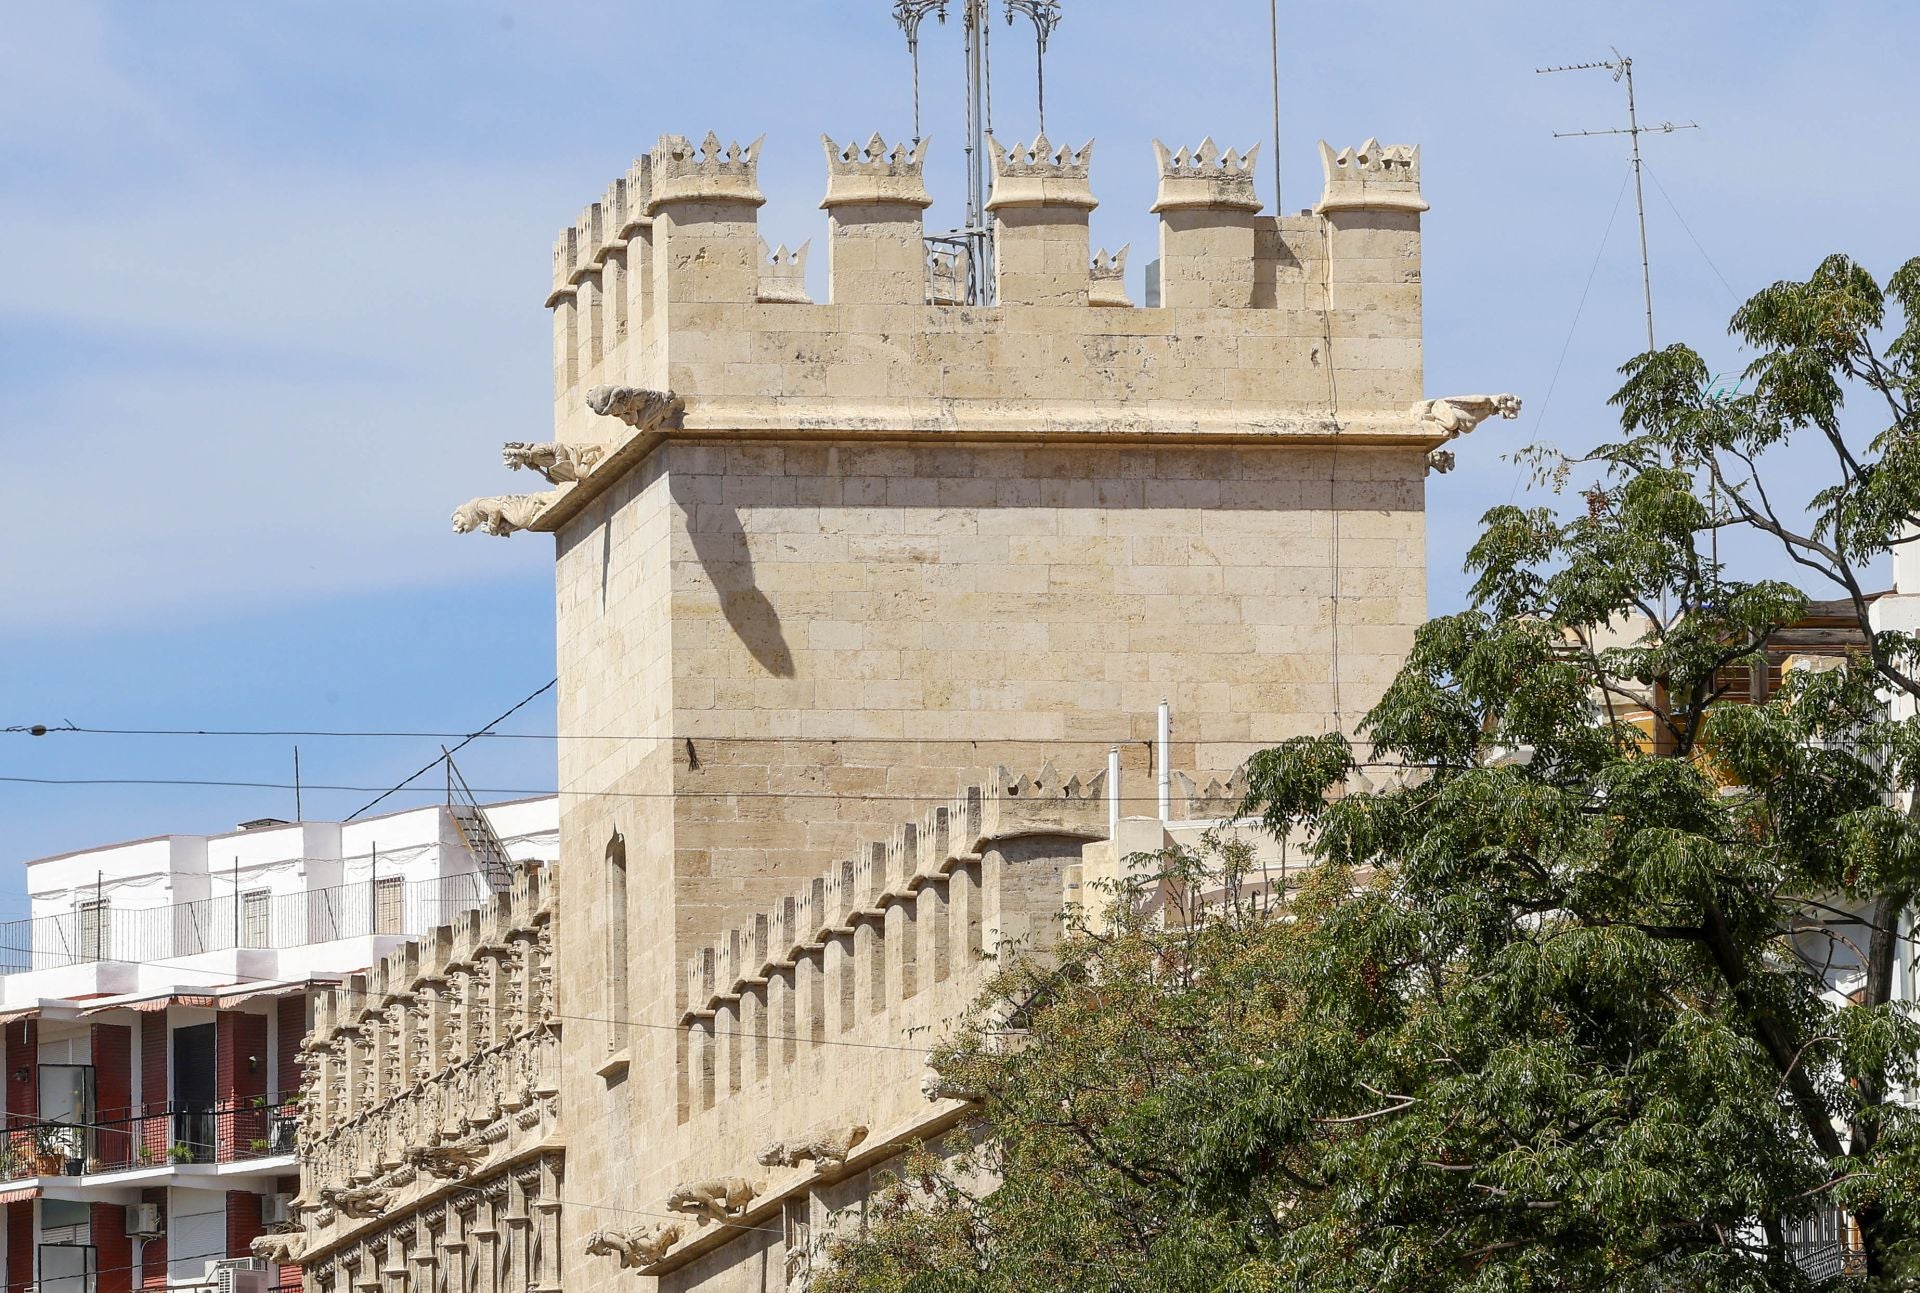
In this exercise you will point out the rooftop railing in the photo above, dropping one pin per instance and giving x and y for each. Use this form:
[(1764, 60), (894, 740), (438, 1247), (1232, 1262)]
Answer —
[(97, 931)]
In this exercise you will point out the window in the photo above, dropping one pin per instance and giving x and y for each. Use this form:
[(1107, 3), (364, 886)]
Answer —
[(616, 943), (389, 905), (254, 919), (66, 1256), (93, 929)]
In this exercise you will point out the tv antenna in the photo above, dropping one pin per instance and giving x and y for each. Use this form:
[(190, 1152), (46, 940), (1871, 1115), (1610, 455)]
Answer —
[(1622, 68), (975, 238)]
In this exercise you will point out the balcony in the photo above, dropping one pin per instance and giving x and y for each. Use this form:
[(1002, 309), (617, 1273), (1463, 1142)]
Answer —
[(97, 933), (165, 1139)]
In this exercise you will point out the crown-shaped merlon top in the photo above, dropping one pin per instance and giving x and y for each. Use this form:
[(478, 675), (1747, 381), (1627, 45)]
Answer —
[(783, 274), (1038, 174), (1371, 178), (1205, 177), (638, 188), (714, 172), (566, 254), (876, 175), (590, 237)]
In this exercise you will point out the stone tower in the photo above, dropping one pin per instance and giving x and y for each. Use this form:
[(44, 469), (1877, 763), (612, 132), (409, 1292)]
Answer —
[(820, 565)]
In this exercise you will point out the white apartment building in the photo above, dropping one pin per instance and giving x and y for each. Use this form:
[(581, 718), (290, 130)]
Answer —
[(152, 1009)]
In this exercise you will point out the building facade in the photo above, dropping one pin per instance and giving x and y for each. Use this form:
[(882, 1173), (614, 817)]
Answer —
[(822, 565), (429, 1142), (154, 1010)]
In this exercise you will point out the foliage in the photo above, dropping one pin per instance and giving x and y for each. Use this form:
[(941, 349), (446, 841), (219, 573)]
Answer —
[(1599, 996)]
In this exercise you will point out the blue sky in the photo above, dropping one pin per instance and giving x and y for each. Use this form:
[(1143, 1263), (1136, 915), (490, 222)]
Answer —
[(271, 274)]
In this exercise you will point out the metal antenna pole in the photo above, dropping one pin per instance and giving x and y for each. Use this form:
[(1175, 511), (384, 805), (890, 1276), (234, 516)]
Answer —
[(1639, 197), (975, 235), (975, 28), (1273, 17), (1622, 68)]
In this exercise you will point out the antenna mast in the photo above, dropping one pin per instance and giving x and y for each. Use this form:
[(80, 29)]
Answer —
[(1622, 68), (975, 237)]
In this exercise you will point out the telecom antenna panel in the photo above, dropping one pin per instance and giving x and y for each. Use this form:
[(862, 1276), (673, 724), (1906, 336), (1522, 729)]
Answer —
[(971, 245)]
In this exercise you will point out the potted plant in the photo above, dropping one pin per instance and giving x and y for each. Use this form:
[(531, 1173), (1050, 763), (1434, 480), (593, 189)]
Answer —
[(181, 1152), (13, 1163), (257, 1147), (149, 1155)]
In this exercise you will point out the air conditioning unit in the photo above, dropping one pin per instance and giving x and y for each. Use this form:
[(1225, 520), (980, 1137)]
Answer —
[(146, 1220), (242, 1275), (276, 1209)]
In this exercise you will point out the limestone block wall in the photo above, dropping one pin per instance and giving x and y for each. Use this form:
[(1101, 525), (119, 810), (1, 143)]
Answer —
[(812, 1019)]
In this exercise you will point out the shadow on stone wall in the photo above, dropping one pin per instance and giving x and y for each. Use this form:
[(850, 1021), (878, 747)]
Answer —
[(724, 556)]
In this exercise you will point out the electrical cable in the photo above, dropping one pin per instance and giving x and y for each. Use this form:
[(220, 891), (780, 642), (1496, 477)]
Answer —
[(446, 756), (517, 791), (40, 729), (1579, 309), (1735, 296)]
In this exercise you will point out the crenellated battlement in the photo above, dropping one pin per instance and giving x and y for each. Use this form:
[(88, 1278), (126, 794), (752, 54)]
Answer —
[(666, 283), (860, 890)]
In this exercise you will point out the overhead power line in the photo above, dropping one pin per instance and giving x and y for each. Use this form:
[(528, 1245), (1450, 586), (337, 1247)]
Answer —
[(38, 729), (446, 755)]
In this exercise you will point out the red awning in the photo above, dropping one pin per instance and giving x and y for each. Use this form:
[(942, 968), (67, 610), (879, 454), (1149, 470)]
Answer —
[(21, 1195), (207, 1000)]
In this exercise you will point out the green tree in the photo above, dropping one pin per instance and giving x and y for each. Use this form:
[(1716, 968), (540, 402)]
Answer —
[(1597, 991)]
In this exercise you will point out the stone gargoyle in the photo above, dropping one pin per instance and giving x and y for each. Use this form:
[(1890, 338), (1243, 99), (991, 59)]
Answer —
[(359, 1202), (559, 463), (826, 1146), (277, 1249), (1440, 462), (639, 408), (501, 515), (636, 1249), (448, 1162), (724, 1198), (1455, 415)]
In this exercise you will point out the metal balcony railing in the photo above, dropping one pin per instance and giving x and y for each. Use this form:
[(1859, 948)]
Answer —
[(163, 1135), (380, 905)]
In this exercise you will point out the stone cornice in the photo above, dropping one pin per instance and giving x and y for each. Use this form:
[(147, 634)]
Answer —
[(1034, 422)]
